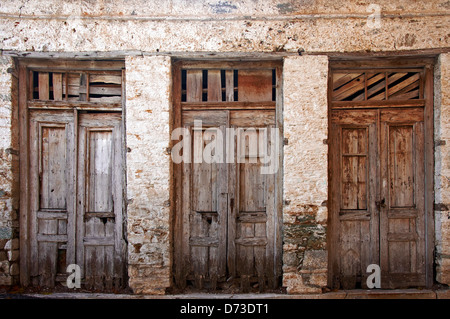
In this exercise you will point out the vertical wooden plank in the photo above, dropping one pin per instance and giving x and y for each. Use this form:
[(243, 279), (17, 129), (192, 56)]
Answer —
[(184, 213), (429, 169), (99, 272), (384, 195), (100, 171), (373, 196), (181, 197), (83, 88), (350, 240), (81, 259), (72, 142), (194, 86), (233, 203), (263, 254), (43, 79), (33, 176), (57, 87), (333, 232), (269, 252), (229, 85), (214, 86), (222, 209), (418, 224)]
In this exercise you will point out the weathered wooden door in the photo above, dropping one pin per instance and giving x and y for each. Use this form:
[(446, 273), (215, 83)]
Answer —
[(100, 245), (378, 185), (227, 213), (72, 189)]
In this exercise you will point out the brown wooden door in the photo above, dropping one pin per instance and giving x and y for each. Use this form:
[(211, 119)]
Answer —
[(100, 247), (227, 221), (377, 196), (76, 208), (51, 202), (228, 206)]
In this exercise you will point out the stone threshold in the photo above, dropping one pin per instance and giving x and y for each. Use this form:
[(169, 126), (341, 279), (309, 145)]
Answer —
[(342, 294)]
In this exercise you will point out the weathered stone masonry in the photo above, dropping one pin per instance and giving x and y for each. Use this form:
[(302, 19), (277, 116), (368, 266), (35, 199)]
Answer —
[(147, 35)]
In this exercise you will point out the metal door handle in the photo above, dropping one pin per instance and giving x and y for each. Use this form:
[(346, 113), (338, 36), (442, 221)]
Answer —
[(380, 203)]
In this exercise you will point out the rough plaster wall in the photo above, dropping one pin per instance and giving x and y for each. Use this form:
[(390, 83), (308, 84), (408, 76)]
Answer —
[(215, 25), (305, 174), (148, 90), (9, 244), (442, 168)]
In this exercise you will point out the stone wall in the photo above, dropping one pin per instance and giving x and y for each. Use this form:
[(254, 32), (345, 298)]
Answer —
[(148, 89), (9, 243), (222, 26), (442, 168), (305, 174)]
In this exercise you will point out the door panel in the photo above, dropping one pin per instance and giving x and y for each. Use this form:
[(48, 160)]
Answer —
[(227, 205), (51, 203), (91, 238), (205, 190), (377, 196), (253, 222), (354, 191), (100, 246), (402, 217)]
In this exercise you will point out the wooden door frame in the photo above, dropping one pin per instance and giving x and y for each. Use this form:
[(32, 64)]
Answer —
[(25, 65), (427, 63), (176, 170)]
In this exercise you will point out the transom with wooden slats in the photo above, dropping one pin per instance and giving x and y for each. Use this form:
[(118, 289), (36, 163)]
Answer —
[(376, 86), (230, 85), (76, 85)]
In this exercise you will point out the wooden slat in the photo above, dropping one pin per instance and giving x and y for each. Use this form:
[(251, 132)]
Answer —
[(214, 86), (98, 241), (229, 85), (350, 88), (404, 84), (105, 78), (43, 85), (57, 87), (236, 105), (51, 238), (377, 104), (203, 241), (194, 85), (340, 79), (81, 105), (51, 215)]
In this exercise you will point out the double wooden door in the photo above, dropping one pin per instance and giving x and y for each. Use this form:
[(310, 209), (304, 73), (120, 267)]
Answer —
[(75, 215), (377, 204), (227, 218)]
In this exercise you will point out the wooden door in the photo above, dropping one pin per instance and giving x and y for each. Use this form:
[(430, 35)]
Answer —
[(381, 172), (377, 165), (354, 188), (51, 201), (99, 230), (402, 198), (226, 222), (72, 177), (252, 208)]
